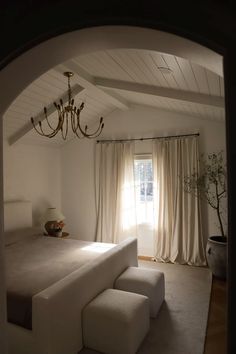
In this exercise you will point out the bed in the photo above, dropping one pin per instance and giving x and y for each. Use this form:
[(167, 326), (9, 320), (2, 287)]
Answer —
[(50, 280)]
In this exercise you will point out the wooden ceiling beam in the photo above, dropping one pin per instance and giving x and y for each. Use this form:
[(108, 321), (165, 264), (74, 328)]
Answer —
[(84, 79), (181, 95)]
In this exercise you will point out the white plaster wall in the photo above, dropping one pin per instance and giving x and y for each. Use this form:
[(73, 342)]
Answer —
[(78, 191), (78, 201), (32, 173)]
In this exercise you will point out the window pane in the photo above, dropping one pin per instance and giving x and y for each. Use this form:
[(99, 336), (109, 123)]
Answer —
[(144, 190), (143, 174), (143, 179)]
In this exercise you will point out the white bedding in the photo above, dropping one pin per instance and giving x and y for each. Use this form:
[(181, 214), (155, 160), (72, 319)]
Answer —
[(57, 310), (36, 262)]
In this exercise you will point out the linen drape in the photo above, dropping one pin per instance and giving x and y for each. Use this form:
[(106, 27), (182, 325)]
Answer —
[(178, 228), (116, 215)]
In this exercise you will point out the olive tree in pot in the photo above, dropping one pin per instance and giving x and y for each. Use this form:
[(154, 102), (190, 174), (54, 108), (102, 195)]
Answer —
[(210, 184)]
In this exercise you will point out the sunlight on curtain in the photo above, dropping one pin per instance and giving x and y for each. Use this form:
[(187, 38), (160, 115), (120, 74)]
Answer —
[(143, 176), (116, 215), (128, 215), (178, 228)]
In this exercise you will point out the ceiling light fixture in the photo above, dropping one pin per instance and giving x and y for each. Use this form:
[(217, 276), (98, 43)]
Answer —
[(66, 113), (165, 70)]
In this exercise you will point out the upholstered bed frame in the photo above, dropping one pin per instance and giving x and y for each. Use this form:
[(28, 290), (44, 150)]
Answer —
[(57, 310), (17, 215)]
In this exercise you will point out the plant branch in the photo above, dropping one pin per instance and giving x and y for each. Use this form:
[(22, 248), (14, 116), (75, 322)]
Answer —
[(210, 184)]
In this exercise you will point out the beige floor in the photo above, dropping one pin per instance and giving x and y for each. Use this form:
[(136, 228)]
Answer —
[(180, 326)]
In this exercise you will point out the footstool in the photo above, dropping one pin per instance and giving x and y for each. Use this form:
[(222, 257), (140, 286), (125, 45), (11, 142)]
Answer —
[(148, 282), (116, 322)]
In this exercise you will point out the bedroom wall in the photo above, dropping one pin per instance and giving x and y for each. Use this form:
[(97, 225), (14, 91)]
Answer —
[(33, 173), (78, 190), (78, 202)]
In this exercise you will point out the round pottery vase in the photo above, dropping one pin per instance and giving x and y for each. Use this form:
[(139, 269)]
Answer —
[(216, 254), (51, 231)]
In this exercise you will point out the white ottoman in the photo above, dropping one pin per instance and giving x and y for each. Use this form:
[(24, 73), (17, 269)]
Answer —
[(116, 322), (148, 282)]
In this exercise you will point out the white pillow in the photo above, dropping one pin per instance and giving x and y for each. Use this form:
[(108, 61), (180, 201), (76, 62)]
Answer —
[(21, 234)]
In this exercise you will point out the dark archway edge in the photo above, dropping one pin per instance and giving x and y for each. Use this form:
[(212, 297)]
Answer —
[(26, 23)]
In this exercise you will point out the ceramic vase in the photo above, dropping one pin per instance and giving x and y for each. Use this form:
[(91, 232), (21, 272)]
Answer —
[(216, 254)]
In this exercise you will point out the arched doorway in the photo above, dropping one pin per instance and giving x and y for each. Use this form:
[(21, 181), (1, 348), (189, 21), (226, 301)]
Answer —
[(10, 70), (64, 47)]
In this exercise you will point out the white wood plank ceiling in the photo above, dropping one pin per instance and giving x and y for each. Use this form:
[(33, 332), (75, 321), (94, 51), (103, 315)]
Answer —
[(115, 79)]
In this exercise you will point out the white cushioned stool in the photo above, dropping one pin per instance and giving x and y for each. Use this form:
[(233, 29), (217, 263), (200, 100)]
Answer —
[(116, 322), (148, 282)]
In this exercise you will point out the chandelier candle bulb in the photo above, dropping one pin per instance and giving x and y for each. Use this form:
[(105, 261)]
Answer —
[(64, 114)]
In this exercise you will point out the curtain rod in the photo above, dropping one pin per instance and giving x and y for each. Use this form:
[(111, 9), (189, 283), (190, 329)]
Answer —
[(141, 139)]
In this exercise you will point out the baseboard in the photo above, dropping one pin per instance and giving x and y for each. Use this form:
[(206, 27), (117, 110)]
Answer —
[(145, 258)]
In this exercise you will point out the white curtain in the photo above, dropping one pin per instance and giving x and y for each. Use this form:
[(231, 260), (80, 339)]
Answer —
[(178, 228), (116, 216)]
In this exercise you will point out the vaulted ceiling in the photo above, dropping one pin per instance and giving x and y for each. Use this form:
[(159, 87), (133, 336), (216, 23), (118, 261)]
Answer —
[(115, 79)]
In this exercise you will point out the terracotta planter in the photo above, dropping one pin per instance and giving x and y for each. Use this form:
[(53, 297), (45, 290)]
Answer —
[(216, 254)]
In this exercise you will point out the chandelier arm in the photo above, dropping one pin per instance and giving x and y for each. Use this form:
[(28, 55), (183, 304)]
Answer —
[(61, 105), (49, 135), (75, 126), (40, 132), (34, 126), (53, 133), (86, 135), (64, 133), (93, 134), (97, 134), (84, 132), (79, 136), (66, 128), (73, 122), (59, 125), (40, 123), (77, 113), (64, 114), (75, 130), (46, 116), (100, 128), (49, 124)]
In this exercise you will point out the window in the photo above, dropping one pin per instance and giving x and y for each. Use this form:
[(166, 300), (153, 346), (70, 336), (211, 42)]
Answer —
[(143, 175)]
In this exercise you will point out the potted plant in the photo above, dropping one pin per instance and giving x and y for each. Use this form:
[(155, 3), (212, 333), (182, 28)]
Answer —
[(54, 228), (210, 184), (57, 227)]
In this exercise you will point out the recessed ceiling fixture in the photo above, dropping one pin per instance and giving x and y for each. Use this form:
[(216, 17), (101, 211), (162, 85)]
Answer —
[(165, 70), (66, 113)]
